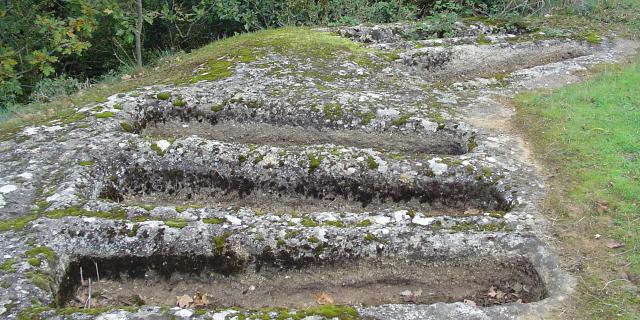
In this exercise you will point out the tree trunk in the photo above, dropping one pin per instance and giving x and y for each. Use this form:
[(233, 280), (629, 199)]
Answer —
[(138, 34)]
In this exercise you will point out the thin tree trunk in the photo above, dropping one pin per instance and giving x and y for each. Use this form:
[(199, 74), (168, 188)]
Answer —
[(138, 33)]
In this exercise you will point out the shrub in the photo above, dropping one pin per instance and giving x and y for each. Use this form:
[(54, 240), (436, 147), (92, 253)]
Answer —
[(49, 88)]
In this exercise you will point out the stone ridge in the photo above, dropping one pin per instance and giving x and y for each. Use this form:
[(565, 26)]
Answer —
[(260, 172)]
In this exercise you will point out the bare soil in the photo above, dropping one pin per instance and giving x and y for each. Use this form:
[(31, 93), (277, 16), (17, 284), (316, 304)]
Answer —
[(285, 135), (486, 282)]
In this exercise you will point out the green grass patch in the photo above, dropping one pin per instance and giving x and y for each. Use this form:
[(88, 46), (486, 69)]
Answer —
[(589, 136), (85, 163)]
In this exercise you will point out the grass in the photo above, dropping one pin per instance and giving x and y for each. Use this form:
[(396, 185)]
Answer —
[(588, 136), (219, 57)]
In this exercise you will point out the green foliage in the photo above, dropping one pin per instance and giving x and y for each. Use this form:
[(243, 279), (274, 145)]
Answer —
[(48, 89)]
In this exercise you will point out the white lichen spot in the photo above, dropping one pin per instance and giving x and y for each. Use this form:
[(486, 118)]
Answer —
[(222, 315), (437, 167), (420, 220), (26, 175), (400, 215), (31, 131), (233, 220), (163, 145), (382, 220), (8, 188)]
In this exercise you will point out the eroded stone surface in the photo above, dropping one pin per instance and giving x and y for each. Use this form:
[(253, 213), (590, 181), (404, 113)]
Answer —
[(451, 184)]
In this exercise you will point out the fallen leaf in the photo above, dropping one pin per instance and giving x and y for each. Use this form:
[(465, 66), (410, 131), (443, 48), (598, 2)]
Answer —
[(322, 298), (614, 244), (633, 277), (492, 292), (406, 293), (602, 206), (517, 287), (200, 300), (183, 301), (417, 293), (470, 302), (471, 212)]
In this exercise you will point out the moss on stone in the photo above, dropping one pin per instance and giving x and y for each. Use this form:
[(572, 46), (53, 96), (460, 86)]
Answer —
[(178, 103), (85, 163), (40, 280), (363, 223), (402, 120), (214, 220), (217, 107), (332, 111), (126, 127), (115, 214), (219, 242), (308, 222), (46, 252), (157, 149), (7, 265), (483, 40), (337, 224), (314, 162), (103, 115), (176, 223), (16, 223), (372, 164), (163, 95)]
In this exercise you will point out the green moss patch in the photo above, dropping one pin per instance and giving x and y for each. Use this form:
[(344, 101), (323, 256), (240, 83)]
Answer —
[(104, 115)]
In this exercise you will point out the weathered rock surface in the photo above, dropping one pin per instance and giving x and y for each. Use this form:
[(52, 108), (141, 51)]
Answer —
[(229, 180)]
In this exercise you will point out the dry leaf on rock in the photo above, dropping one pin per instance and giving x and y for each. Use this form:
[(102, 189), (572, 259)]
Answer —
[(470, 302), (183, 301), (200, 300), (471, 212), (492, 292), (323, 298)]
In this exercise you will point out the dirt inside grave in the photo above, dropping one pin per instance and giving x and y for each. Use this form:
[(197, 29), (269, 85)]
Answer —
[(367, 283), (285, 135)]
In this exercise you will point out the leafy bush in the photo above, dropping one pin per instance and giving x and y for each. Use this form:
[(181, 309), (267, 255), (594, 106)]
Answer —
[(49, 88)]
